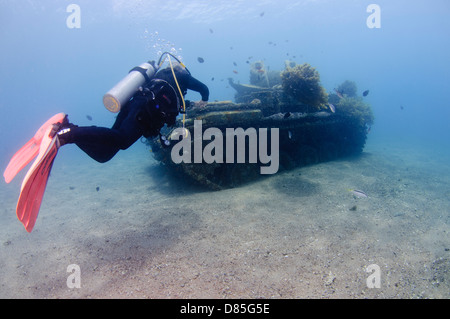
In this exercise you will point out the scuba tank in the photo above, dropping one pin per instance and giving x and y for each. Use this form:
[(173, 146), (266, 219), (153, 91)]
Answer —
[(121, 93)]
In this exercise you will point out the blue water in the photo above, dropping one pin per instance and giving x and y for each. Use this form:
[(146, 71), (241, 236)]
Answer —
[(47, 67)]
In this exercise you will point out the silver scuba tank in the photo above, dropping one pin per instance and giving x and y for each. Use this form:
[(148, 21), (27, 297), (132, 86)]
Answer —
[(121, 93)]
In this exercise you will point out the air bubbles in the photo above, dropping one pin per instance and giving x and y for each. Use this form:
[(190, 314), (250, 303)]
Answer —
[(155, 45)]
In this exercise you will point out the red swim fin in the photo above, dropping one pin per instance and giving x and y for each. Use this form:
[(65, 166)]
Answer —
[(35, 181), (30, 149)]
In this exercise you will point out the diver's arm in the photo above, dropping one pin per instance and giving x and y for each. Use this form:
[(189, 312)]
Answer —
[(196, 85)]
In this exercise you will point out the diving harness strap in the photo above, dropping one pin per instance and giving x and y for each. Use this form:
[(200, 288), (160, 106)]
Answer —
[(165, 142)]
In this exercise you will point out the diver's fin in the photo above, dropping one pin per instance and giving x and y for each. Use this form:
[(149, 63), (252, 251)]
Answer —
[(35, 181), (30, 149)]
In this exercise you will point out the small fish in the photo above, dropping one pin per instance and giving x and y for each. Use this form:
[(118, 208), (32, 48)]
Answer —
[(200, 60), (401, 107), (365, 92), (332, 108), (290, 134), (358, 193), (261, 14), (339, 94), (287, 115), (89, 117), (97, 188), (212, 79), (235, 72), (234, 63), (211, 31)]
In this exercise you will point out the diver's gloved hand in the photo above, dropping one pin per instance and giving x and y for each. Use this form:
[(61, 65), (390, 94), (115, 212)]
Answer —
[(189, 105), (63, 131)]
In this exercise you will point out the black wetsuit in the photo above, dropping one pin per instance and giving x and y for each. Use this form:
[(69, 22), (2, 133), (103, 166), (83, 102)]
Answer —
[(137, 118), (185, 80)]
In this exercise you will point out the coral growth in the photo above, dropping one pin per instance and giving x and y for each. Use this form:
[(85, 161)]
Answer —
[(262, 76), (333, 98), (302, 82), (347, 103), (347, 89), (356, 108)]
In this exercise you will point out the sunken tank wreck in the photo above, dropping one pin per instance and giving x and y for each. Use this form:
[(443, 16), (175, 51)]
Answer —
[(313, 127)]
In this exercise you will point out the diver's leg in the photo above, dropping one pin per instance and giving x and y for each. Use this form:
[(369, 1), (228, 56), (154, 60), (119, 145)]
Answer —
[(102, 143)]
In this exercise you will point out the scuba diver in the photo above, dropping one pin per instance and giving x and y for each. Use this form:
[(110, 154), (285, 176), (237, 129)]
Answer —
[(145, 100), (155, 104)]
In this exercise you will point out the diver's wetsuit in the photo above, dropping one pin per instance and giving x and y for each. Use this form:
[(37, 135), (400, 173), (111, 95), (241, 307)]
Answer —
[(139, 117), (185, 80), (102, 143)]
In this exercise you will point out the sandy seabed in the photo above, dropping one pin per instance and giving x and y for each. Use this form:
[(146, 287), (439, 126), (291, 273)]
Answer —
[(136, 232)]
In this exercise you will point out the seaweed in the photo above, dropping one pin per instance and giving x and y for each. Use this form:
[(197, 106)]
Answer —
[(302, 82)]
